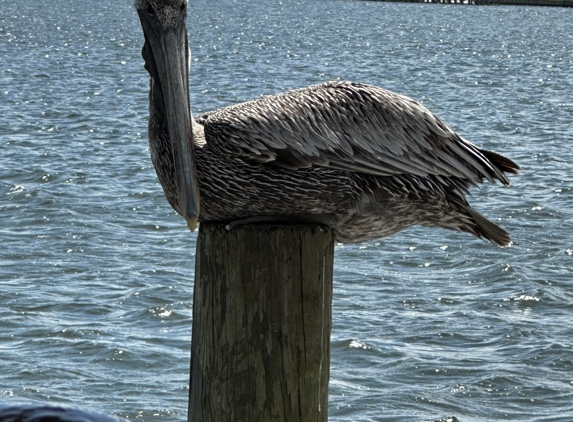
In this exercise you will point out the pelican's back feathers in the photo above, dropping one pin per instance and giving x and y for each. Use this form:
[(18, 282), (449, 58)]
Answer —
[(351, 127)]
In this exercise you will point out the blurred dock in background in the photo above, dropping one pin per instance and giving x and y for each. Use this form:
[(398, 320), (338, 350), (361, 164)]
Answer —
[(553, 3)]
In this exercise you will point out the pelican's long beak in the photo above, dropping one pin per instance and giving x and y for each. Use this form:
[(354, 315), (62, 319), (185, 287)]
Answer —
[(170, 57)]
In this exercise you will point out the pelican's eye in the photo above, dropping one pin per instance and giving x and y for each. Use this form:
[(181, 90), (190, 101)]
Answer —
[(150, 10)]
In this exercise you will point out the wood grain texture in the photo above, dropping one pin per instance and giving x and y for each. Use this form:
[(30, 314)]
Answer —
[(262, 317)]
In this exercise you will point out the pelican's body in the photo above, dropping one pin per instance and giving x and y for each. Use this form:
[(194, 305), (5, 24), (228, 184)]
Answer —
[(358, 158)]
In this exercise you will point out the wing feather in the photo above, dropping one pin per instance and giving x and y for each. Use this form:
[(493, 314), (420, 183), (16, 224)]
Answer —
[(351, 127)]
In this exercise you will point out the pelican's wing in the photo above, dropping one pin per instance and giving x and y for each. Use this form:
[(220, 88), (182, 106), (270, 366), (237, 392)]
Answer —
[(352, 127)]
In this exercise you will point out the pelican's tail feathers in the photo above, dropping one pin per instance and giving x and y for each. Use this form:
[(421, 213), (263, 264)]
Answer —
[(488, 230)]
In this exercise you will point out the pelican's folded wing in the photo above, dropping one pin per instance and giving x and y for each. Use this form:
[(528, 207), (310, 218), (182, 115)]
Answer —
[(351, 127)]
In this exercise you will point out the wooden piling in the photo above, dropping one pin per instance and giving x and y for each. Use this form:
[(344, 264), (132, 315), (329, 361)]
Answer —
[(262, 316)]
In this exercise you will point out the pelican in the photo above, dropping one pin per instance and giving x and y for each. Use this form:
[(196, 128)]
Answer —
[(360, 159)]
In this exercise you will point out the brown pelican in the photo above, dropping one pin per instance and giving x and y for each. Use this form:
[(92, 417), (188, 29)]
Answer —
[(360, 159)]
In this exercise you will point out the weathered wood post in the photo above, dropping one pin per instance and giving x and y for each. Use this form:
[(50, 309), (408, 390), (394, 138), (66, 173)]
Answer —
[(262, 316)]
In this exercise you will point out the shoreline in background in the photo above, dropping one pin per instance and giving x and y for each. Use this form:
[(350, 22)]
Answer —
[(551, 3)]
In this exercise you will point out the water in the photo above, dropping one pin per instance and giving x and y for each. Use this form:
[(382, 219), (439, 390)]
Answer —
[(96, 269)]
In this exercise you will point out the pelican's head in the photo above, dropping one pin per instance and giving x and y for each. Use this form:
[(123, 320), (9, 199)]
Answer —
[(167, 57)]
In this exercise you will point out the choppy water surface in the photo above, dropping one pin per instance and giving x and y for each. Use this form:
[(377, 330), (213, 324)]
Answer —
[(96, 269)]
